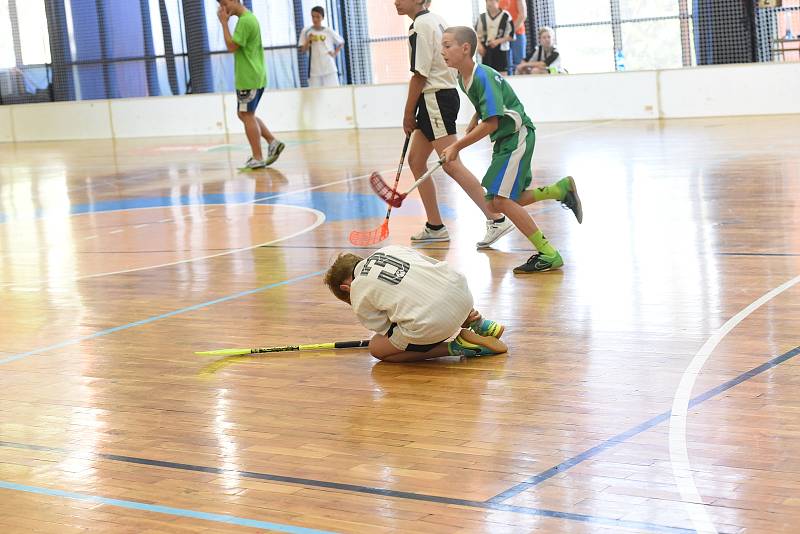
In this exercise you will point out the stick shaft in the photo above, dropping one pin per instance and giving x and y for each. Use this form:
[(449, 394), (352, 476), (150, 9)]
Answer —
[(399, 171), (287, 348), (424, 177)]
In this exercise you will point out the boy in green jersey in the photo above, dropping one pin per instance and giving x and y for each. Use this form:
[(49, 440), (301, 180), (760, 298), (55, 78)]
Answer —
[(504, 120), (250, 76)]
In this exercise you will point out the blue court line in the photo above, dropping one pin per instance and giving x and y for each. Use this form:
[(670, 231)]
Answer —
[(108, 331), (624, 436), (359, 489), (158, 509), (494, 503)]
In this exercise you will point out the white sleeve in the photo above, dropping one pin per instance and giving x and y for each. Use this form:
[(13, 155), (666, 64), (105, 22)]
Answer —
[(304, 36), (371, 317), (337, 39), (422, 51), (480, 30), (510, 28)]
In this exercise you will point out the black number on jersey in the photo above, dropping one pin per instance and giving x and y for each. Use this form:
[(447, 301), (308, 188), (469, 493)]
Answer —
[(392, 269)]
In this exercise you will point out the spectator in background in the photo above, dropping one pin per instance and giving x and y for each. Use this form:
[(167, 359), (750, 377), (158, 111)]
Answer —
[(495, 30), (250, 78), (519, 12), (545, 58), (322, 44)]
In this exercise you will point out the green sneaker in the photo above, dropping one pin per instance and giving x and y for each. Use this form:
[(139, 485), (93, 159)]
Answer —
[(571, 199), (539, 263), (468, 343), (487, 328)]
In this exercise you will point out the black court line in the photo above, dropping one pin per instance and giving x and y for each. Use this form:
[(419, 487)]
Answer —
[(493, 503), (624, 436), (651, 527)]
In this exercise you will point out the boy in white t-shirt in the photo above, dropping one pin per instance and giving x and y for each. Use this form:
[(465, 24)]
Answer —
[(414, 304), (495, 29), (322, 44)]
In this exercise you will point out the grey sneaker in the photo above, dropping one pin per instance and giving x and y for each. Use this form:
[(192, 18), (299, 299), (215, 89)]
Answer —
[(430, 236), (274, 151), (495, 231), (571, 199), (254, 163)]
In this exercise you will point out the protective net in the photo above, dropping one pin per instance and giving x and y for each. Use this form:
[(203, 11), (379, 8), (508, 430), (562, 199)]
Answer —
[(52, 50)]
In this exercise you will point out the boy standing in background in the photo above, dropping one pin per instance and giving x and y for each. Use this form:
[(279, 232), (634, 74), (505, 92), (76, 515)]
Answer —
[(322, 44), (250, 76)]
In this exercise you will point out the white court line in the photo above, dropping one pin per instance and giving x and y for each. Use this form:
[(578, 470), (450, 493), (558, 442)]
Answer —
[(117, 231), (287, 193), (678, 452), (319, 220)]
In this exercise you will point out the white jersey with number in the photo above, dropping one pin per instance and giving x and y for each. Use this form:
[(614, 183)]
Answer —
[(423, 298), (323, 41), (425, 49)]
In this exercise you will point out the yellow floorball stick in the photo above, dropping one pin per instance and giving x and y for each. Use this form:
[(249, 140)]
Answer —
[(287, 348)]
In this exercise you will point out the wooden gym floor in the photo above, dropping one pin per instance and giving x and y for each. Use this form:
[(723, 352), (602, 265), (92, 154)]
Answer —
[(657, 371)]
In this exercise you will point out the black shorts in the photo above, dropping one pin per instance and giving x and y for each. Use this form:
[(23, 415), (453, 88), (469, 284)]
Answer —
[(411, 347), (496, 58), (437, 113)]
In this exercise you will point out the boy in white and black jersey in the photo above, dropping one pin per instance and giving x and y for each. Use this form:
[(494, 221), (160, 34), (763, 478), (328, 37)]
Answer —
[(495, 29), (322, 44), (414, 304), (430, 118), (545, 59)]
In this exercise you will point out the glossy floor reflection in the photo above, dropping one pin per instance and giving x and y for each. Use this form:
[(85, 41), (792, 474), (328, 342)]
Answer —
[(119, 260)]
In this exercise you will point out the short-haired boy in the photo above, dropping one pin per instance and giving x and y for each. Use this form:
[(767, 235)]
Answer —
[(495, 29), (322, 44), (504, 120), (414, 304)]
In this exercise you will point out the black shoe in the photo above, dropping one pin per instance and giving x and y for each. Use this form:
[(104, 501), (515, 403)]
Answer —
[(539, 263)]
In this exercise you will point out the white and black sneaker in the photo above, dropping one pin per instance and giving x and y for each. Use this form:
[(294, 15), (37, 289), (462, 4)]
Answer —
[(254, 163), (494, 231), (429, 235), (274, 151)]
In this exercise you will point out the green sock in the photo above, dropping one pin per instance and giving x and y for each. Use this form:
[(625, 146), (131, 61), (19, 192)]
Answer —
[(548, 192), (542, 244)]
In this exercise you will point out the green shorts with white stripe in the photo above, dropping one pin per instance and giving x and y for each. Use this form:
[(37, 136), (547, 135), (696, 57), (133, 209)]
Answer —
[(510, 171)]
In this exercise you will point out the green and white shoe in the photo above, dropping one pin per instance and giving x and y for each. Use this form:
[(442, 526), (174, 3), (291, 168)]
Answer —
[(487, 328), (468, 343)]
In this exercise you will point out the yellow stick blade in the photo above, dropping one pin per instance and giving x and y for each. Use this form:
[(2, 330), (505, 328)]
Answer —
[(224, 352)]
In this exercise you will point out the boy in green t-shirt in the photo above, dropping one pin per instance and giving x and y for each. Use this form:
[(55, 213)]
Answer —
[(504, 120), (250, 76)]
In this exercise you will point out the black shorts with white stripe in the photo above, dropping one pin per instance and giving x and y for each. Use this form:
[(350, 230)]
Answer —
[(437, 112)]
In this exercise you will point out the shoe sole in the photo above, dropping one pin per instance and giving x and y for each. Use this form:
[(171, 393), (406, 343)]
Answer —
[(578, 211), (246, 169), (542, 271), (516, 271), (430, 240), (491, 343), (488, 244)]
